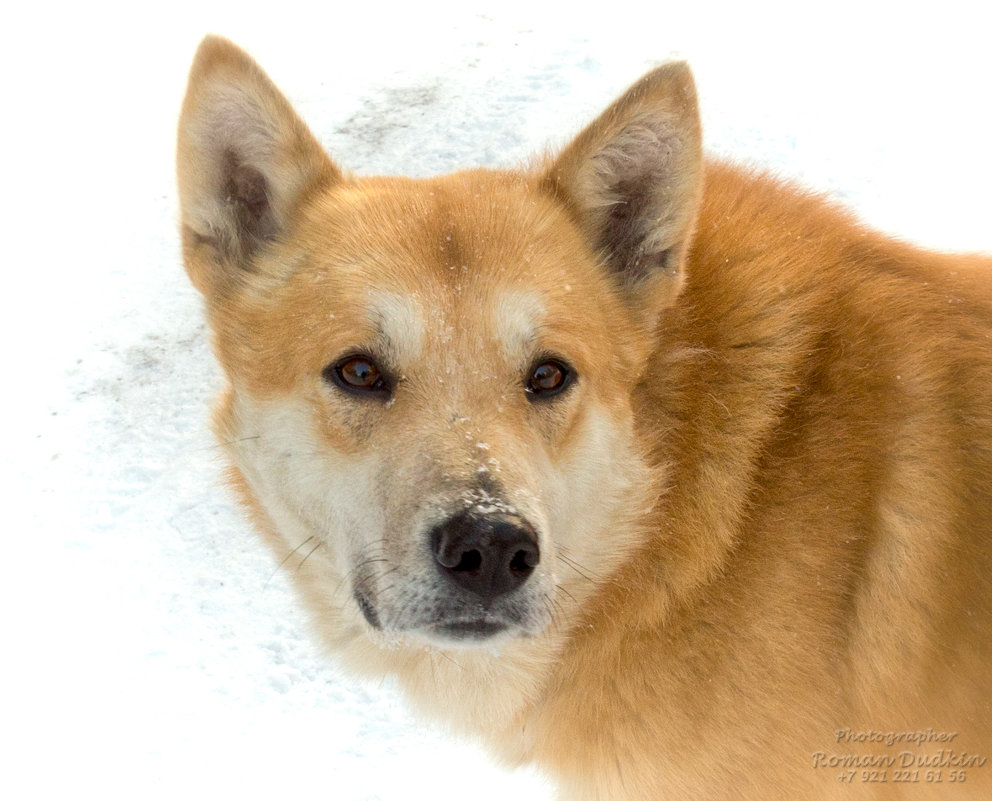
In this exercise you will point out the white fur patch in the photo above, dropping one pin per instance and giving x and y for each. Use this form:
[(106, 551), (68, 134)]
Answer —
[(517, 318), (400, 319)]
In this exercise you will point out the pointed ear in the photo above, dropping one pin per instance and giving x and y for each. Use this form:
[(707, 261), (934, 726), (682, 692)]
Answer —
[(245, 163), (633, 180)]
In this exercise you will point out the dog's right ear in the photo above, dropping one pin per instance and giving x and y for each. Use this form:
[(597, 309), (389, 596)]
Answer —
[(633, 182), (245, 161)]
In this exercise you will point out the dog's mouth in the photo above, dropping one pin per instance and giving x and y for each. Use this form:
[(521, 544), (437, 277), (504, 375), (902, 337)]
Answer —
[(367, 609), (450, 626), (461, 629), (478, 629)]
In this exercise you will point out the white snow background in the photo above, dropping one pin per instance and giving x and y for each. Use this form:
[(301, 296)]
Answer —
[(150, 647)]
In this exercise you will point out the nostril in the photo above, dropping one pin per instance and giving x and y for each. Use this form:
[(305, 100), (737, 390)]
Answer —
[(524, 561), (471, 560)]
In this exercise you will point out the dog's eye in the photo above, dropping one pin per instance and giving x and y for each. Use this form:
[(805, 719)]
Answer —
[(547, 378), (357, 374)]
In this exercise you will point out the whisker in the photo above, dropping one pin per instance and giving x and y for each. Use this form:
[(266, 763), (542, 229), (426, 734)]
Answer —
[(433, 664), (365, 563), (570, 596), (550, 609), (576, 567), (218, 445), (557, 614), (443, 655), (309, 554), (288, 557)]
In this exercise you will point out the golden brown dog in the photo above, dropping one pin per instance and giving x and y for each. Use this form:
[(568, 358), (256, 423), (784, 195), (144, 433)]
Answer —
[(659, 474)]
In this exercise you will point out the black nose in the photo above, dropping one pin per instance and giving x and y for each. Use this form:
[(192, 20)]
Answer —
[(486, 555)]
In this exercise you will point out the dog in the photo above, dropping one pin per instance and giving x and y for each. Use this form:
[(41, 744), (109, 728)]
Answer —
[(657, 473)]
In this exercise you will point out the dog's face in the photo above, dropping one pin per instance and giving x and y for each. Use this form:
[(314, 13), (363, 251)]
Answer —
[(431, 381), (439, 387)]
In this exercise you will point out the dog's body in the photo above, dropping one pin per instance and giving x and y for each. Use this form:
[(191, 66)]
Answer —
[(665, 477)]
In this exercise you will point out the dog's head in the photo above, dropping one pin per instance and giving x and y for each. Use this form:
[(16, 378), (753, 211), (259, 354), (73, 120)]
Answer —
[(431, 380)]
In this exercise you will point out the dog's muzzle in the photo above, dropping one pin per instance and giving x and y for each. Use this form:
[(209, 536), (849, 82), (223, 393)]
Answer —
[(482, 585)]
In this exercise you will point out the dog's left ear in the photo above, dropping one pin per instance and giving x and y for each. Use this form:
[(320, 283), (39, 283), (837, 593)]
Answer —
[(633, 180)]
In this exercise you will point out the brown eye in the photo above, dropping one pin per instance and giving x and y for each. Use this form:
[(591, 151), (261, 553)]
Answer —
[(548, 378), (357, 374)]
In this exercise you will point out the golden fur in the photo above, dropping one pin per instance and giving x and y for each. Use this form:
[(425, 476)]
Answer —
[(764, 509)]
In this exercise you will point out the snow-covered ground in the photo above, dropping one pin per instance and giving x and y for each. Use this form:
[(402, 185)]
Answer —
[(150, 646)]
